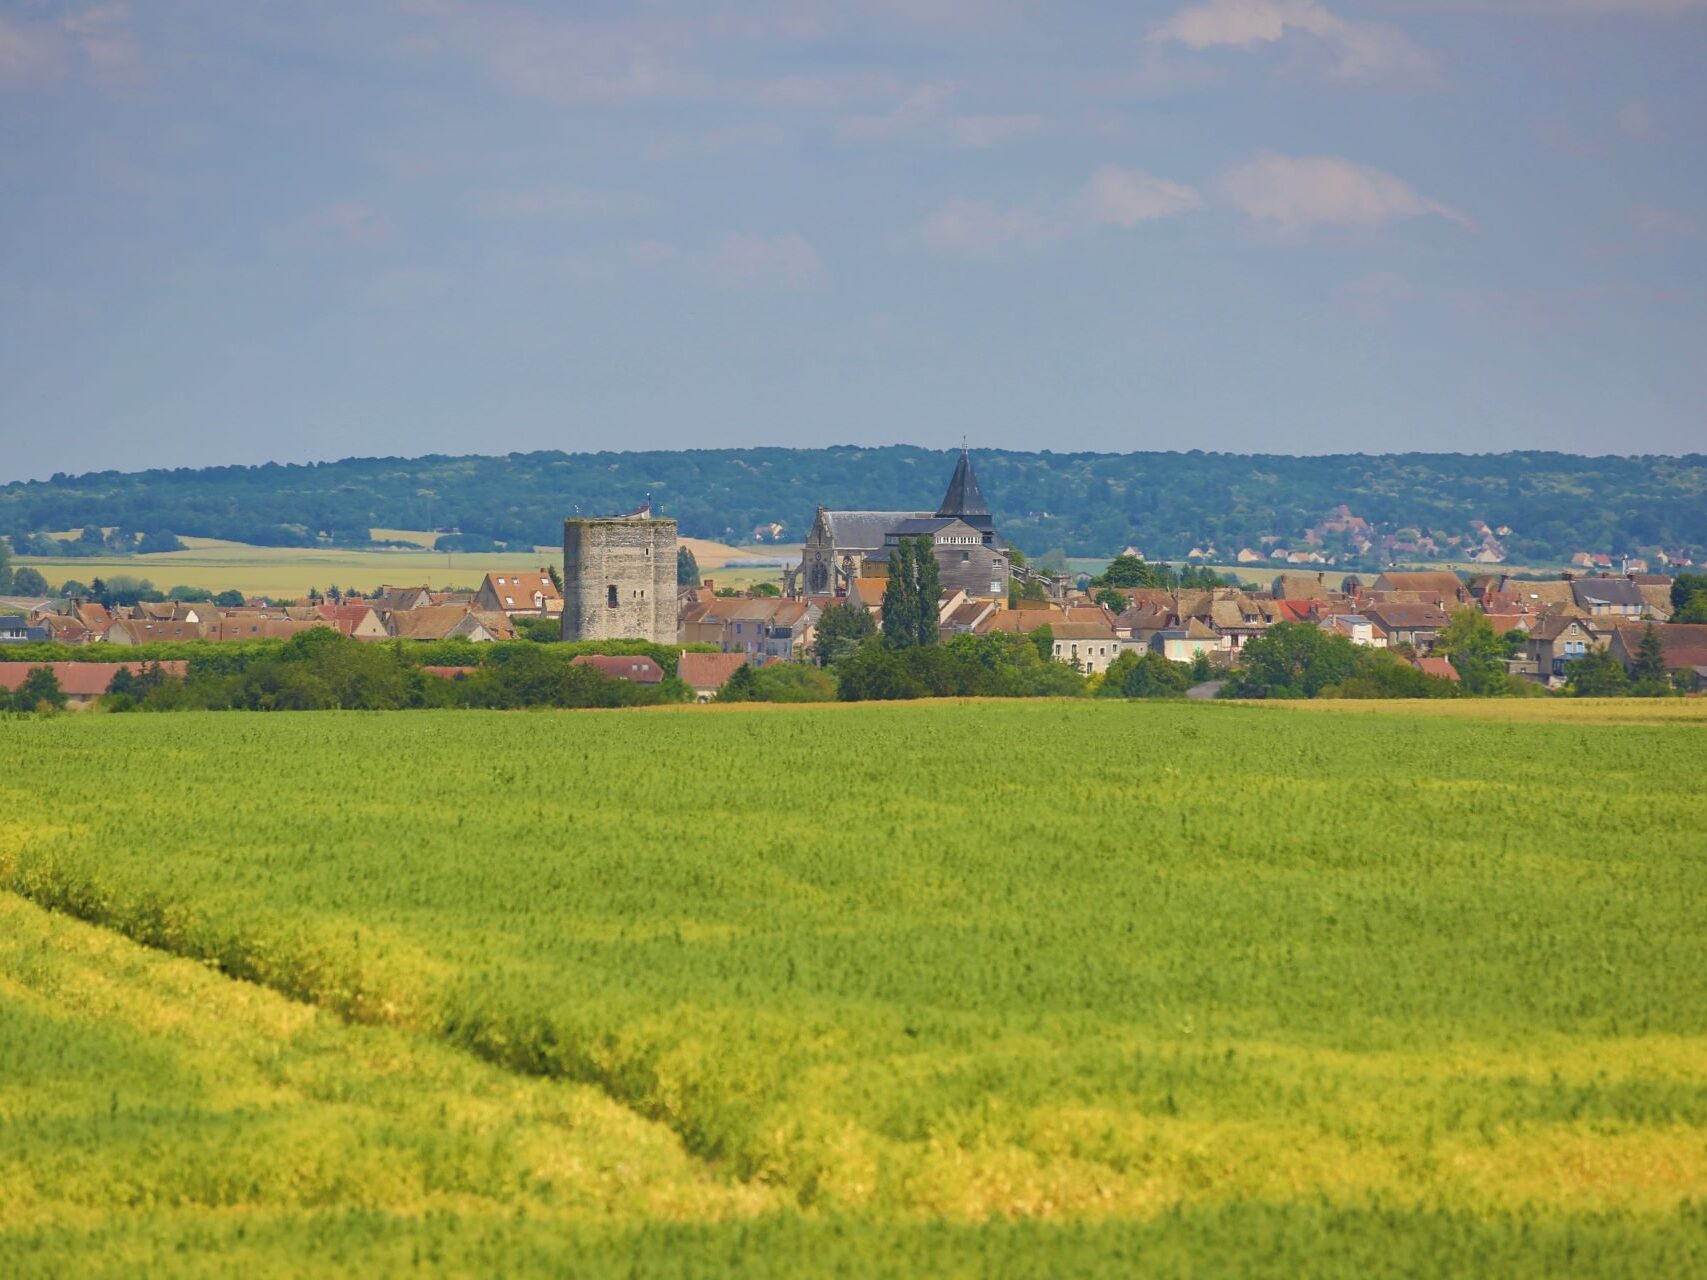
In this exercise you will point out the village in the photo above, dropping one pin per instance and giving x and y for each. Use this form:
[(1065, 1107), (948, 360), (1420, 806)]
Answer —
[(623, 579)]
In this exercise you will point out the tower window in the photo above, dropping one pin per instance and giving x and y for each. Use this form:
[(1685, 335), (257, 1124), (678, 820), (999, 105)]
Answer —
[(610, 596)]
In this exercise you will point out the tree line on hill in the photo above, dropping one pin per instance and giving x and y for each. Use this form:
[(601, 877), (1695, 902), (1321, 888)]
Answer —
[(1085, 503)]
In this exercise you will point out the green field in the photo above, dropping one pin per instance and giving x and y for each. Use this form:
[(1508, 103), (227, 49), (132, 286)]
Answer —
[(289, 572), (978, 988)]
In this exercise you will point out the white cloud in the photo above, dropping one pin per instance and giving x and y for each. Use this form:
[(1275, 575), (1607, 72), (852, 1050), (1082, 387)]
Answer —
[(1125, 197), (1653, 221), (926, 114), (1292, 194), (787, 261), (1359, 50), (975, 226), (1113, 197), (90, 41)]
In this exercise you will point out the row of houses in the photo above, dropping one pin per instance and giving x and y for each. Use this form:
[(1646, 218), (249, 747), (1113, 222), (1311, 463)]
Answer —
[(407, 613)]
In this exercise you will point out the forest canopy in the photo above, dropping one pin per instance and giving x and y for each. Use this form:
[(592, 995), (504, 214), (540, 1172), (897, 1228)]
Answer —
[(1547, 505)]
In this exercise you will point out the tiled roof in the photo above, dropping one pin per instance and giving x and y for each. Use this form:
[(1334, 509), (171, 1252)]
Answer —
[(708, 670), (82, 679), (636, 668)]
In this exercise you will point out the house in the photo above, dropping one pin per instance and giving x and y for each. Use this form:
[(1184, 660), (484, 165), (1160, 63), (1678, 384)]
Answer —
[(1554, 640), (261, 626), (514, 593), (635, 668), (391, 599), (1439, 668), (82, 682), (1608, 597), (356, 619), (1184, 644), (447, 621), (1300, 586), (1438, 586), (1417, 625), (152, 630), (1684, 644), (706, 673), (1088, 646), (764, 627), (1356, 628), (15, 630)]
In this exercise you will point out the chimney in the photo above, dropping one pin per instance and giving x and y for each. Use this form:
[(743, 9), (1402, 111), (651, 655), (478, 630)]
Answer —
[(706, 584)]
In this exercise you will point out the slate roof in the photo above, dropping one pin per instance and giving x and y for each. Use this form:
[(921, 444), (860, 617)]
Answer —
[(864, 530), (1621, 592), (964, 499)]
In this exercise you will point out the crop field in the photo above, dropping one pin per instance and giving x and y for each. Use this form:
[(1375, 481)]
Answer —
[(928, 989), (289, 572)]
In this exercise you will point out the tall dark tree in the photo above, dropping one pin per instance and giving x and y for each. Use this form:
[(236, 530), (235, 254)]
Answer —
[(687, 568), (1648, 674), (900, 598), (927, 592), (5, 567)]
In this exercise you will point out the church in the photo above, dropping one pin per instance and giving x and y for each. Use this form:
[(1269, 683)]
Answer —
[(971, 556)]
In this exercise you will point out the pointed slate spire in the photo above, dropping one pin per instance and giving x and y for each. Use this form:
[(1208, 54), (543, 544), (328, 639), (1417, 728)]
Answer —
[(964, 500)]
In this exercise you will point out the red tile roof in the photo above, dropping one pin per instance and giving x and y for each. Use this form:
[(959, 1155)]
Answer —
[(1439, 668), (709, 670), (635, 668), (82, 679)]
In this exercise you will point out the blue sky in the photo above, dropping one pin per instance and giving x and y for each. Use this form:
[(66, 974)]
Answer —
[(235, 232)]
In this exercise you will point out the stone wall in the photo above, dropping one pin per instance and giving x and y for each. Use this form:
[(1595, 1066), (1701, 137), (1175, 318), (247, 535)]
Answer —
[(619, 579)]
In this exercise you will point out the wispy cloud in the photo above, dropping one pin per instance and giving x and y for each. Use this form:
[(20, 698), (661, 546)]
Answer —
[(534, 204), (1112, 197), (91, 40), (1651, 220), (926, 114), (344, 224), (1357, 50), (787, 262), (1294, 194)]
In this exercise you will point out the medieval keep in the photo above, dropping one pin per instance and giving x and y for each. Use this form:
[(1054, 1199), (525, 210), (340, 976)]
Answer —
[(619, 578), (845, 545)]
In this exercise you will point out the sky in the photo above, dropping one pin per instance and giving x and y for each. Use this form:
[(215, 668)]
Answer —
[(234, 232)]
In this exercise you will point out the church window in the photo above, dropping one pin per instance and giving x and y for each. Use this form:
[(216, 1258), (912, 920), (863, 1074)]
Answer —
[(610, 596)]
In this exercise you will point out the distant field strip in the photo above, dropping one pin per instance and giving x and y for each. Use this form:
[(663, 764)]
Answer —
[(1438, 980)]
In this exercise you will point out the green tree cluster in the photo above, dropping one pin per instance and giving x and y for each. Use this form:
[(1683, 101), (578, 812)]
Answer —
[(1148, 675), (38, 691), (911, 595), (687, 568), (1689, 597), (841, 629), (965, 666)]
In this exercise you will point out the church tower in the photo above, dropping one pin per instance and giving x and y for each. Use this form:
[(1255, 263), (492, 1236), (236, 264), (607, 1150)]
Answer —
[(964, 500)]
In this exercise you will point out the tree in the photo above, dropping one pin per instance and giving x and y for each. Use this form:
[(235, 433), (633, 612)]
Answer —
[(1648, 675), (1127, 571), (1149, 675), (1689, 594), (739, 686), (1043, 640), (766, 590), (1201, 669), (552, 569), (157, 542), (910, 596), (687, 568), (1292, 660), (841, 629), (40, 688), (927, 592), (28, 582), (229, 600), (5, 567), (1469, 642), (1111, 600), (1597, 674)]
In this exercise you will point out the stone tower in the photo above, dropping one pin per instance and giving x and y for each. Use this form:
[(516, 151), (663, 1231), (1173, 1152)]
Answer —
[(619, 578)]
